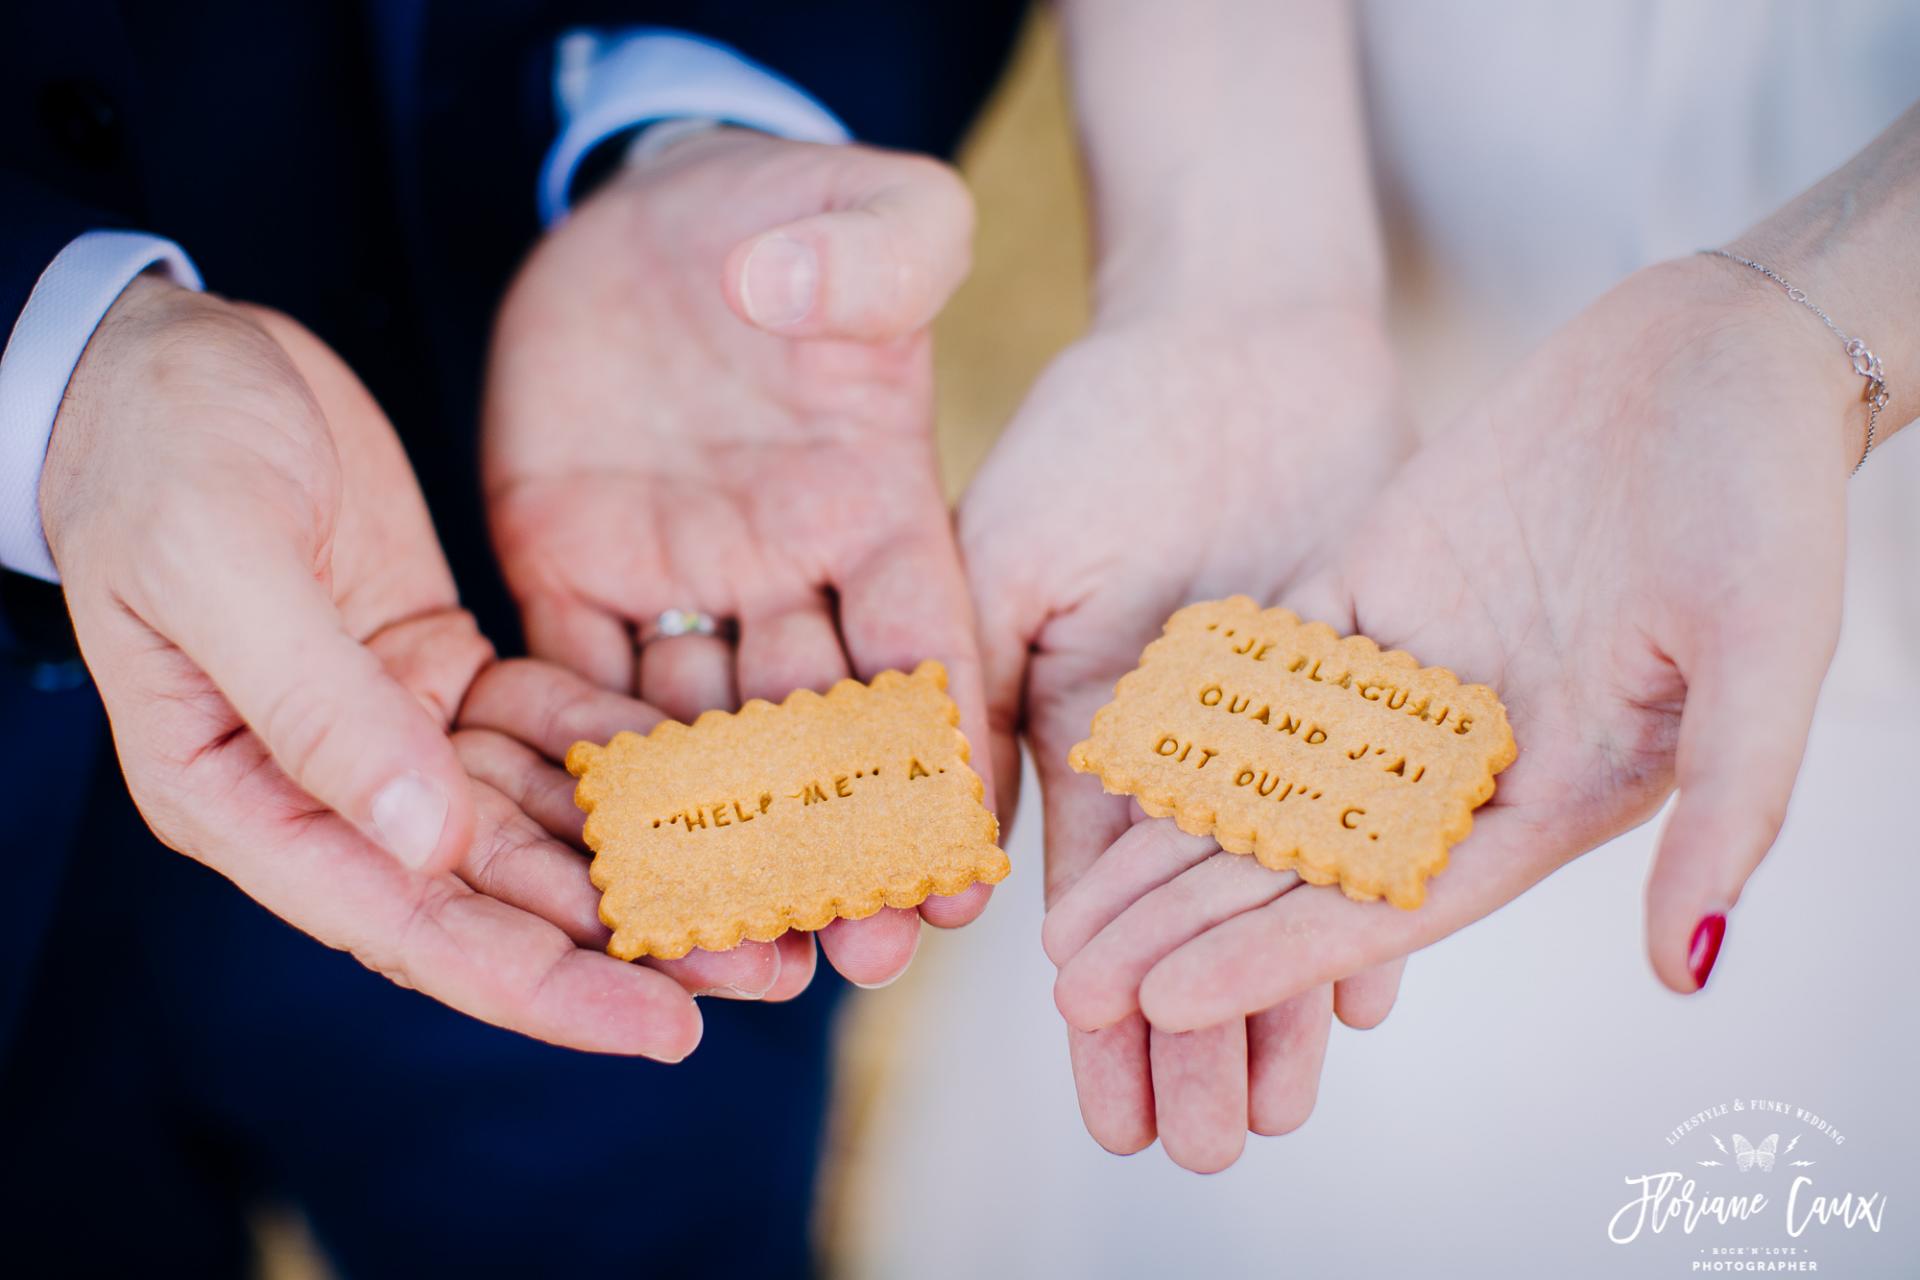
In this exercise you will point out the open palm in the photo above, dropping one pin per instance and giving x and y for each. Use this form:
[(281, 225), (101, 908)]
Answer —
[(275, 635), (711, 390), (1147, 469), (1637, 540)]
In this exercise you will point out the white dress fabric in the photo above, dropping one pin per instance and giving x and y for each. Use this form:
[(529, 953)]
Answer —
[(1529, 156)]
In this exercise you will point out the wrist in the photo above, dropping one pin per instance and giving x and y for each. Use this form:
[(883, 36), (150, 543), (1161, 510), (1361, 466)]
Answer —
[(49, 335), (1849, 244), (1226, 156), (661, 136), (1859, 334), (609, 83), (1204, 268), (1327, 372), (1798, 339), (634, 151), (1711, 320), (676, 152), (112, 371), (1861, 358), (1224, 322)]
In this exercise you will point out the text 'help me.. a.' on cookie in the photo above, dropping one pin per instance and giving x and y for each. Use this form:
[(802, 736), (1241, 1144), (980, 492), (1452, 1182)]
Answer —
[(746, 824)]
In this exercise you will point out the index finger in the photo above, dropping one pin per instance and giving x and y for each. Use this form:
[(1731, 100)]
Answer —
[(471, 952), (549, 707)]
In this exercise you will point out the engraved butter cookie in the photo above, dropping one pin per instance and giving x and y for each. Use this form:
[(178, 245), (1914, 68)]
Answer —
[(747, 824), (1316, 754)]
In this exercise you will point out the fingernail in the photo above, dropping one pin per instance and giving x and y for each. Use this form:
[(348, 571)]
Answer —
[(699, 1033), (904, 964), (1705, 947), (778, 280), (409, 814), (734, 991)]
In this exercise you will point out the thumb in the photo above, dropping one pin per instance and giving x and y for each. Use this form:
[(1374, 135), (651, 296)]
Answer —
[(1742, 735), (268, 635), (877, 266)]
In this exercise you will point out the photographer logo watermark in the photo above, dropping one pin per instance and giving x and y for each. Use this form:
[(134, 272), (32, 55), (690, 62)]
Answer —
[(1758, 1182)]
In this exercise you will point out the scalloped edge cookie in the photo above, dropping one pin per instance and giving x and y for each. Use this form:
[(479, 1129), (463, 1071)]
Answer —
[(1305, 672), (743, 825)]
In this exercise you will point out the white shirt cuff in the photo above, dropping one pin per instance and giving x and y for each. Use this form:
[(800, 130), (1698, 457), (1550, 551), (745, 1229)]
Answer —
[(67, 304), (607, 83)]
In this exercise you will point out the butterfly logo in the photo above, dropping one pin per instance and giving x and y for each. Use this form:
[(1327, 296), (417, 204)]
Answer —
[(1746, 1155)]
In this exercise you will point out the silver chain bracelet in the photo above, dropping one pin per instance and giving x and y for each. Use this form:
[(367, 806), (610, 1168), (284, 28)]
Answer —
[(1865, 363)]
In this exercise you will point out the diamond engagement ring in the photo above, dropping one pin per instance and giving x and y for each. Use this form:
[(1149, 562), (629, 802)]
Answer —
[(680, 622)]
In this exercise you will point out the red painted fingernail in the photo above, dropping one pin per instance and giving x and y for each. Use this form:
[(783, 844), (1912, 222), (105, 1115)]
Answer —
[(1705, 947)]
